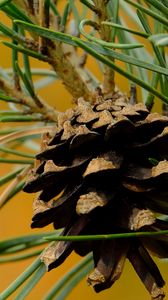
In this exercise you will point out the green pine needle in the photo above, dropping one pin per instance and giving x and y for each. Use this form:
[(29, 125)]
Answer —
[(16, 161), (9, 177), (23, 241), (19, 257), (69, 281), (4, 2), (114, 236), (15, 152), (24, 38), (76, 41), (149, 12), (35, 278), (21, 279)]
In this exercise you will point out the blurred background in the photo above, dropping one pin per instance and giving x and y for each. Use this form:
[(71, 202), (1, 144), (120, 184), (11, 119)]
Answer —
[(15, 216)]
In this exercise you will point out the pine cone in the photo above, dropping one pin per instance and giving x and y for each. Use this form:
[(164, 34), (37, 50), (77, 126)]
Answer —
[(105, 170)]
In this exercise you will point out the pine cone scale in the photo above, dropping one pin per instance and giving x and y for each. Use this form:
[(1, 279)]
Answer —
[(144, 272), (109, 263), (61, 209), (55, 254)]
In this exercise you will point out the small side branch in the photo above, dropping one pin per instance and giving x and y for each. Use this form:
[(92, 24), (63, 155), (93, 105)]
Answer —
[(105, 34), (46, 110), (13, 184)]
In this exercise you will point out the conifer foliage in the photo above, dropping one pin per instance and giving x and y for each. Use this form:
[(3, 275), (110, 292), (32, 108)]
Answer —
[(101, 173)]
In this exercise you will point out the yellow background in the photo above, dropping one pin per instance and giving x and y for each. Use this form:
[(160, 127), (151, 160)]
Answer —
[(15, 219)]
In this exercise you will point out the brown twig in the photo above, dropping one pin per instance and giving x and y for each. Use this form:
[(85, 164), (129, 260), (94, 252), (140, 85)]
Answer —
[(13, 184), (31, 6), (41, 23), (22, 133), (133, 94), (45, 109), (35, 6), (108, 85), (25, 6)]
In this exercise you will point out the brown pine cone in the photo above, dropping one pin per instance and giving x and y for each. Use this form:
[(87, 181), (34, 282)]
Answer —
[(105, 170)]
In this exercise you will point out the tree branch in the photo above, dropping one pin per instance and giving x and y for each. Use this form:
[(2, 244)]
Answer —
[(65, 61)]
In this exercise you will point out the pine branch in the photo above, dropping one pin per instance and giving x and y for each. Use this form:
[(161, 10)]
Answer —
[(64, 60), (110, 149)]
